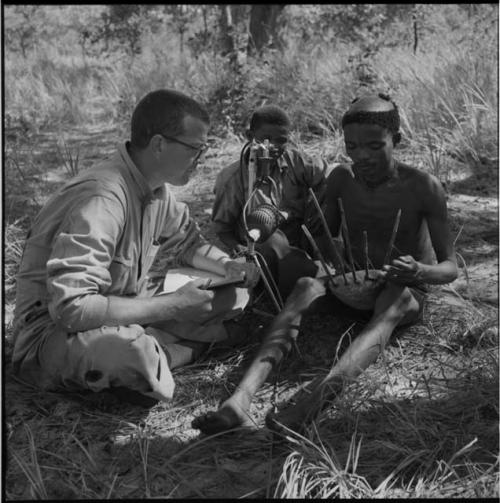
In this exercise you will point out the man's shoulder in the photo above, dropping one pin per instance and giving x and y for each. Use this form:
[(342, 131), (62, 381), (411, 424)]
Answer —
[(339, 172), (310, 167), (420, 178), (300, 158), (227, 175), (102, 180)]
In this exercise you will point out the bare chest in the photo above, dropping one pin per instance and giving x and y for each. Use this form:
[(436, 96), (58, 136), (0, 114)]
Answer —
[(375, 211)]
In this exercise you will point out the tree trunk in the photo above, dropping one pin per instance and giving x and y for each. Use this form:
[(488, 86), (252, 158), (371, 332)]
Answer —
[(226, 29), (263, 27), (415, 31), (232, 24)]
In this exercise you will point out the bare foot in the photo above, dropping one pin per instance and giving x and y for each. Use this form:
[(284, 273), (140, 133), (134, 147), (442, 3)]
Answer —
[(309, 402), (293, 416), (230, 415)]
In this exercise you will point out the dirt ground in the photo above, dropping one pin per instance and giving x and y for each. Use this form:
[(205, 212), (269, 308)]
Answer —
[(92, 446)]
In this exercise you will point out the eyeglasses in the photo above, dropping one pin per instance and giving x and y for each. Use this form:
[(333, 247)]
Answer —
[(201, 149)]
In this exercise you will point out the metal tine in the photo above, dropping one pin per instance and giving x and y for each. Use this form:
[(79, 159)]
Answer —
[(328, 234), (320, 255), (270, 279), (266, 284), (346, 239), (365, 239), (393, 238)]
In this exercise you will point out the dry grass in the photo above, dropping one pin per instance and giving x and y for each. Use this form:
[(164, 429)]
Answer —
[(448, 97), (421, 422)]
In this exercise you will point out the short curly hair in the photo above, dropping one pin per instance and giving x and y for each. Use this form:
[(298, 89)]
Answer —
[(163, 111), (269, 114)]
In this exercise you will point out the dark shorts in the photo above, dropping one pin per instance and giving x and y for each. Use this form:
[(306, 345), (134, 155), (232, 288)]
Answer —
[(331, 304)]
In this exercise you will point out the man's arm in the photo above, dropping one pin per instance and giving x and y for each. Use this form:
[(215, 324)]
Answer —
[(436, 215), (78, 275), (210, 258), (188, 303), (228, 238)]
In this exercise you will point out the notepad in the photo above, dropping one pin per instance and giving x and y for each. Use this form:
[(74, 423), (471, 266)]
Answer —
[(176, 278)]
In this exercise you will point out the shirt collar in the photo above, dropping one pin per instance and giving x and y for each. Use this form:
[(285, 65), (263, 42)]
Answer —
[(282, 162), (144, 191)]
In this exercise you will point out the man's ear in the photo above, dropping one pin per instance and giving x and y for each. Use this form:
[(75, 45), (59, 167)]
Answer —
[(249, 135), (155, 144), (396, 138)]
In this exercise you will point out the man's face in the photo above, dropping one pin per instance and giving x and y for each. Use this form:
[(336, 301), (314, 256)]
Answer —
[(180, 159), (370, 147), (277, 135)]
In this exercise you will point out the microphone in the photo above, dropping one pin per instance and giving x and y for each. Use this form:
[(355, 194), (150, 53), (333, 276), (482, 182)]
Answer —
[(262, 222)]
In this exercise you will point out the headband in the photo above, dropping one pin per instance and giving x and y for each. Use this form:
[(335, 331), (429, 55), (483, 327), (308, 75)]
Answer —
[(388, 119)]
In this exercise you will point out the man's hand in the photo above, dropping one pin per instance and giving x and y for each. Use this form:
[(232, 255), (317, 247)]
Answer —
[(194, 302), (239, 249), (244, 270), (403, 270)]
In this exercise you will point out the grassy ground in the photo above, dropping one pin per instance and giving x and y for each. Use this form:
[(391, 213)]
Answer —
[(421, 422)]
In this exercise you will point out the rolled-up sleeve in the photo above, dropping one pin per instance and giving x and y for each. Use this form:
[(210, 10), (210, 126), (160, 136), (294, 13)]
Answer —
[(78, 269), (316, 171)]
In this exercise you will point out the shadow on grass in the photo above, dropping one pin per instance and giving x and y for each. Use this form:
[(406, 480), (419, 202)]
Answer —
[(95, 446), (451, 434), (484, 182), (411, 437), (128, 451)]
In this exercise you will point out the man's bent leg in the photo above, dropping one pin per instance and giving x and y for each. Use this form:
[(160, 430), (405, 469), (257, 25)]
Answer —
[(228, 303), (394, 305), (107, 357), (284, 329), (287, 263), (179, 351)]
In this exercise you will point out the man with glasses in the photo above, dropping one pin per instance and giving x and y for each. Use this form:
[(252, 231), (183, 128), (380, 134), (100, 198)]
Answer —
[(292, 173), (86, 315)]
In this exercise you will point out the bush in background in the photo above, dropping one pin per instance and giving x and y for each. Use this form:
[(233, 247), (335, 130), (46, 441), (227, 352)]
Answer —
[(79, 65)]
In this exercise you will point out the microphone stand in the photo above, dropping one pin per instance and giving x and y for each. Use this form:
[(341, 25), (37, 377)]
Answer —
[(253, 235), (265, 274)]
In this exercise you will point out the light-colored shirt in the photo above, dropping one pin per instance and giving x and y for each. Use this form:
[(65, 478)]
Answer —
[(294, 174), (97, 236)]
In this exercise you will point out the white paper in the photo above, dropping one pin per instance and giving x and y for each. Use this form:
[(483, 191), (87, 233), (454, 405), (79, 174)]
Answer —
[(176, 278)]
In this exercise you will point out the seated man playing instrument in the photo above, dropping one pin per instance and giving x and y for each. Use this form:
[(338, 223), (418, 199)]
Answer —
[(378, 203)]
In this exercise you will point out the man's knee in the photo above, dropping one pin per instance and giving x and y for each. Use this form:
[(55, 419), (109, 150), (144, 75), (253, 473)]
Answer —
[(305, 283), (412, 307), (122, 356), (398, 302), (228, 303), (277, 242)]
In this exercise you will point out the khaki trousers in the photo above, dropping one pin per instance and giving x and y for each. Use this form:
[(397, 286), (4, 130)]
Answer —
[(127, 356)]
